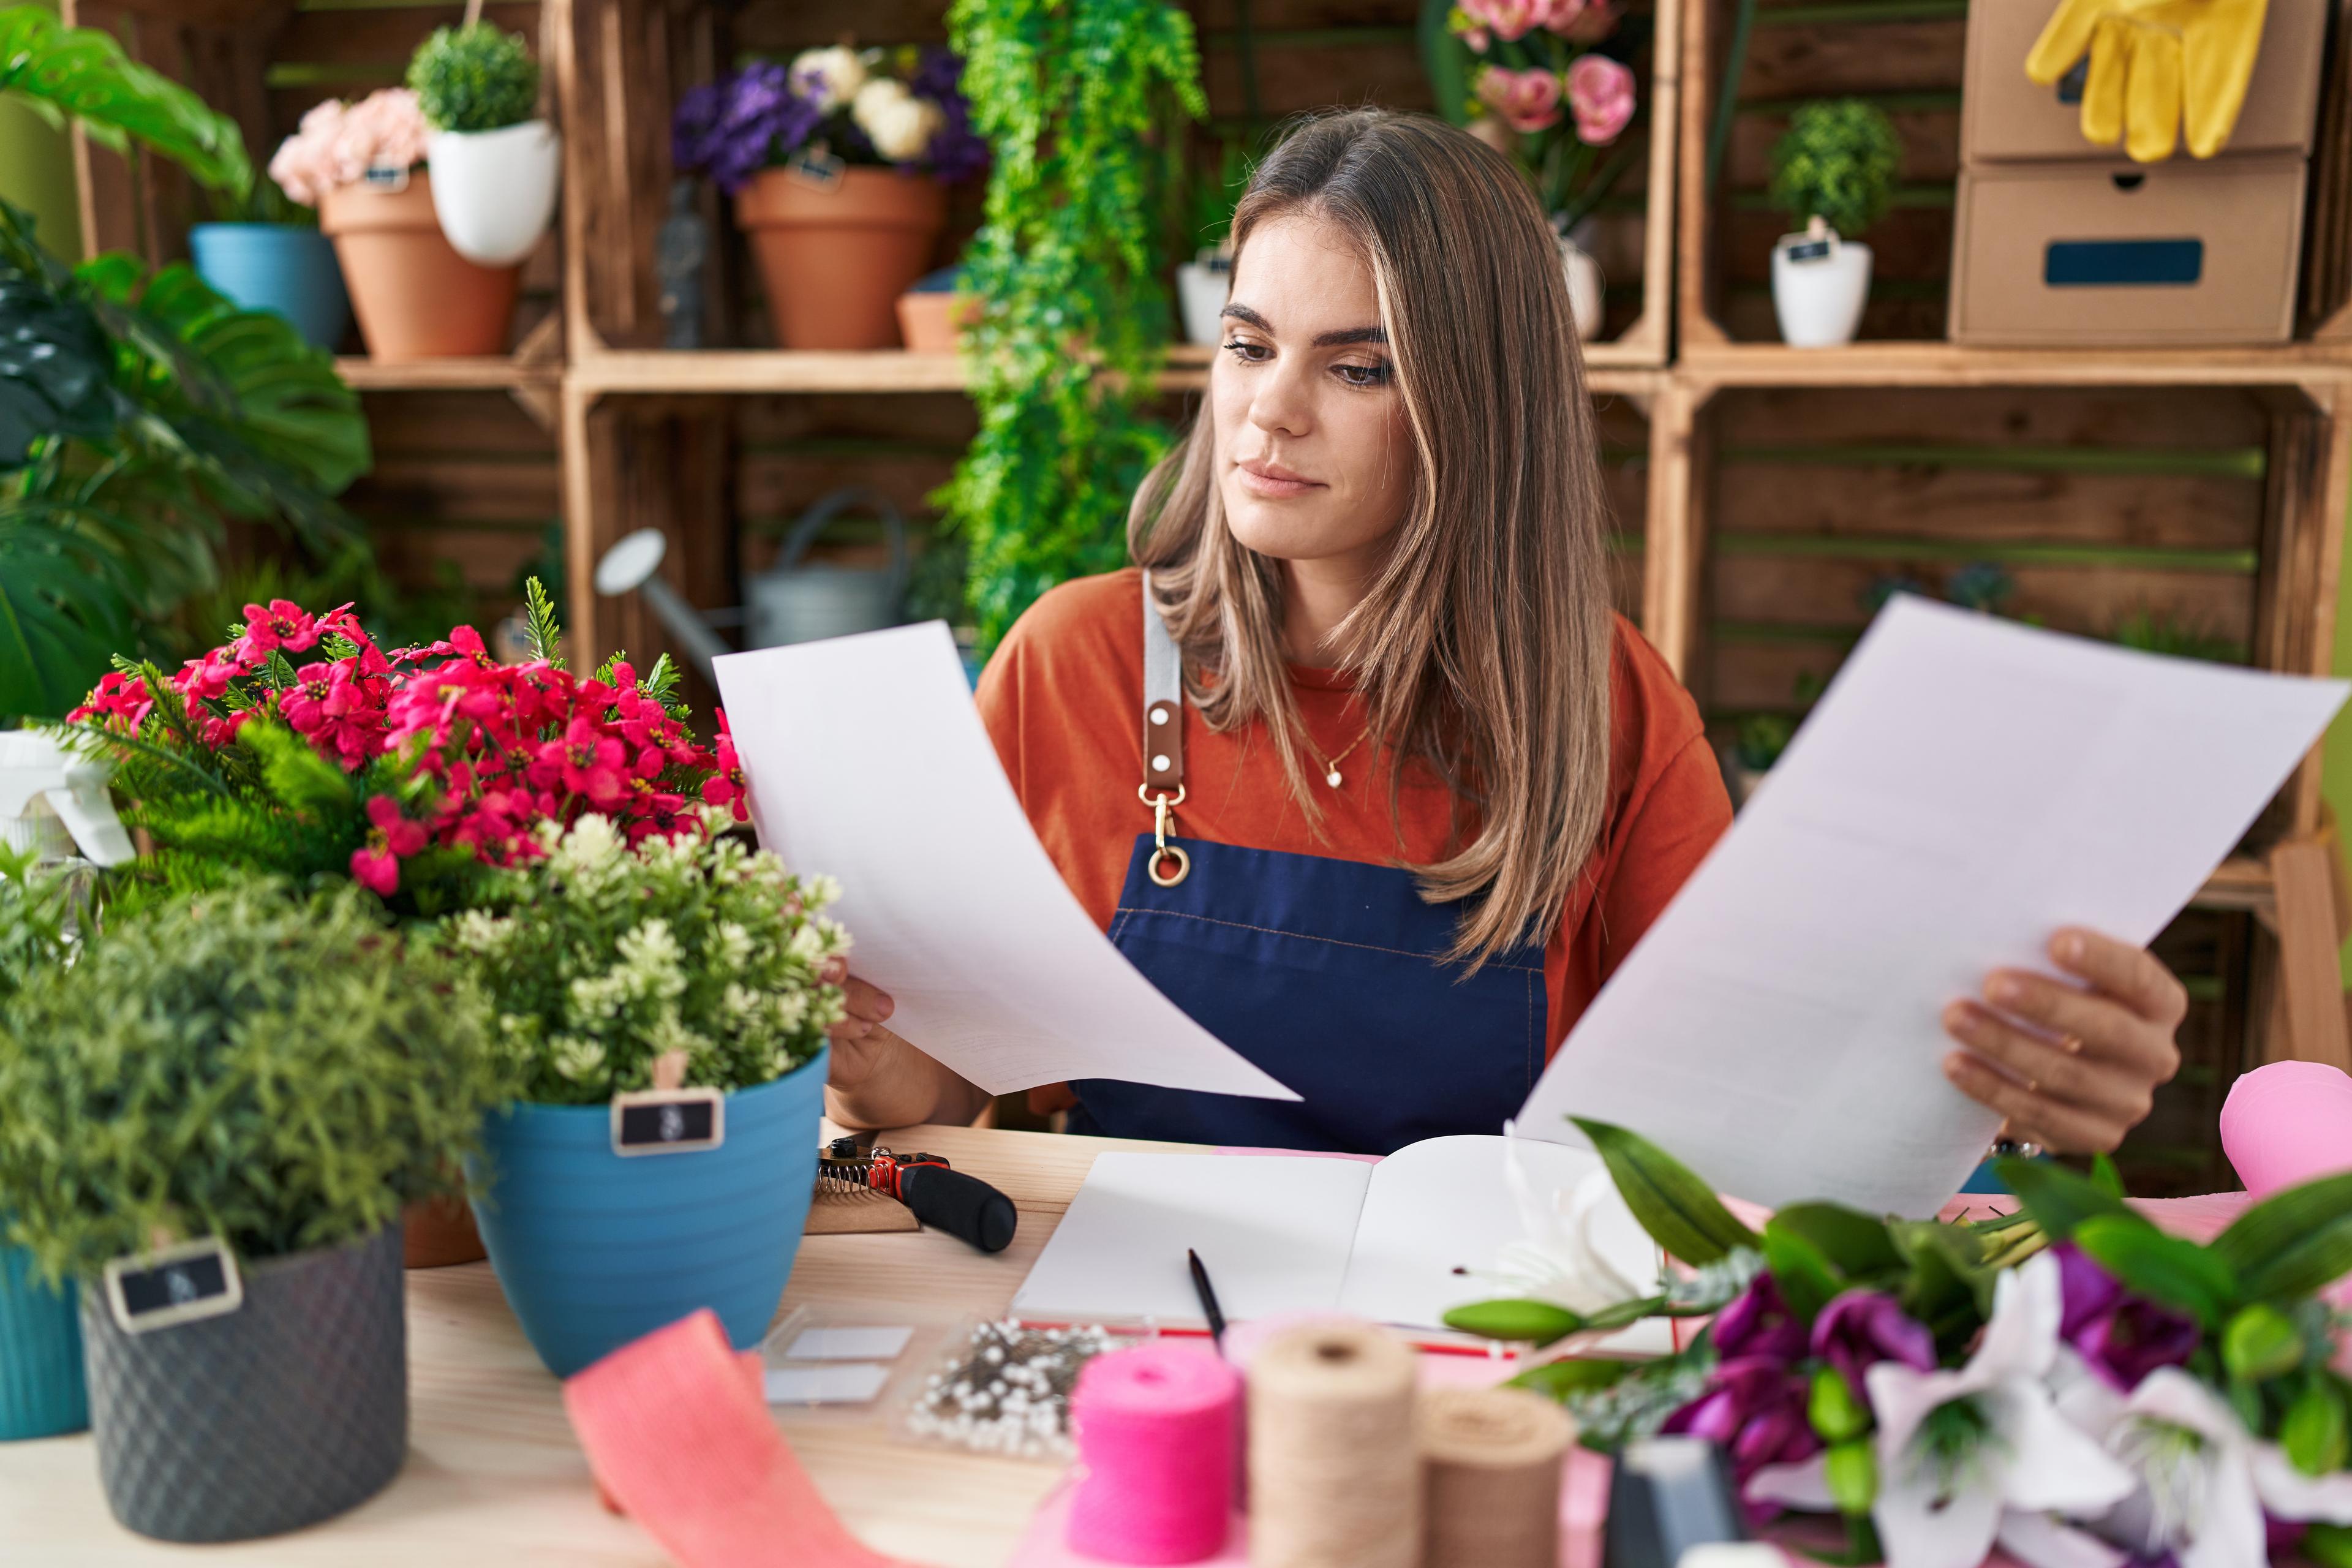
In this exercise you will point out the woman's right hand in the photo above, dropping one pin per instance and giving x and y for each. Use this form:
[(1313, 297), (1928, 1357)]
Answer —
[(860, 1043)]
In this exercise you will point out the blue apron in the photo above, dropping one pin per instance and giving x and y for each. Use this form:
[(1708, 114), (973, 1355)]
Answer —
[(1328, 974)]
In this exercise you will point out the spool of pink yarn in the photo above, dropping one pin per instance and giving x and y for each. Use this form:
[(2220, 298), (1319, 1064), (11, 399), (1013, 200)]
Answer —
[(1155, 1428), (2288, 1123)]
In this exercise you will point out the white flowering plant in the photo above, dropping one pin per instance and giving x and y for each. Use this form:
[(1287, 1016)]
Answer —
[(603, 955)]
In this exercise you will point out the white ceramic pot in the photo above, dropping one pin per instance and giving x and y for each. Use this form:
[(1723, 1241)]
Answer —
[(1201, 290), (494, 191), (1584, 286), (1819, 294)]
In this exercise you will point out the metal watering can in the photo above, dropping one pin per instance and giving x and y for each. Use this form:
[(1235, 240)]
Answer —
[(790, 602)]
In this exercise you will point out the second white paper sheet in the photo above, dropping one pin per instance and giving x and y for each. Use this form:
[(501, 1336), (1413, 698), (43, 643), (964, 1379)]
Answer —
[(1966, 787), (867, 762)]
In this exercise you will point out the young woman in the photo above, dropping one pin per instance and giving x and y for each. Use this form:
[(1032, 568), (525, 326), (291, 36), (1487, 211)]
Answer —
[(1359, 767)]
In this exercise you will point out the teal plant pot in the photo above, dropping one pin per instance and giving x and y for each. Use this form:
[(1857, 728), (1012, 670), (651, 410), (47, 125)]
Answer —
[(278, 267), (41, 1390), (595, 1250)]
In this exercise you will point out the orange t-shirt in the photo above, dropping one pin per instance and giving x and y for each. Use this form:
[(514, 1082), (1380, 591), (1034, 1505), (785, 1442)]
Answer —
[(1063, 700)]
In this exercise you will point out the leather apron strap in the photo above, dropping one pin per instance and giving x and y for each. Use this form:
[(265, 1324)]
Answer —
[(1163, 702), (1163, 788)]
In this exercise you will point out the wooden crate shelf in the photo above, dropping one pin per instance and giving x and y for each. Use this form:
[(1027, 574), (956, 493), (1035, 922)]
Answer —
[(485, 373), (1937, 364)]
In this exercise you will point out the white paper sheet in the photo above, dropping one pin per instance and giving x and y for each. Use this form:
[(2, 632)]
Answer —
[(1272, 1231), (1966, 786), (868, 760), (828, 1383)]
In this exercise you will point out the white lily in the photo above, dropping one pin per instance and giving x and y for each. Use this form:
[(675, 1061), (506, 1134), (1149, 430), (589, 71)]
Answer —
[(1980, 1454), (2204, 1480), (1576, 1243)]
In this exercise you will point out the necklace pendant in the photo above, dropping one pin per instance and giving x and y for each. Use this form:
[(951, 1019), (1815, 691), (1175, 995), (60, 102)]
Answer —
[(1332, 778)]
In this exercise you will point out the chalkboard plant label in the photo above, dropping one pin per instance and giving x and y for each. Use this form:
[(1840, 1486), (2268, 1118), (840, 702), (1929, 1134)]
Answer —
[(668, 1121), (186, 1282)]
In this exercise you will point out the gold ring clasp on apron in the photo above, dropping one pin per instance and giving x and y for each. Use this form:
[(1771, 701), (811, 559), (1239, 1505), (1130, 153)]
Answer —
[(1162, 852)]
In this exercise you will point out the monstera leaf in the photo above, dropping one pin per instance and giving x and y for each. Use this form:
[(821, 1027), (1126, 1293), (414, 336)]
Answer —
[(83, 73), (66, 603)]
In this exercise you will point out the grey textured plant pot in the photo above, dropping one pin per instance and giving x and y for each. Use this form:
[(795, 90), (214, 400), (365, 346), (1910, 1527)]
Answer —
[(290, 1410)]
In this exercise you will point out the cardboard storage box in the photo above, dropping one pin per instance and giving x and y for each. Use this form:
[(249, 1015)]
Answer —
[(2179, 252), (2004, 117)]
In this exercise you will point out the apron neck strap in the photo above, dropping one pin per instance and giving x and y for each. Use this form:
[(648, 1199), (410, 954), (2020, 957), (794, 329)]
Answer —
[(1164, 703)]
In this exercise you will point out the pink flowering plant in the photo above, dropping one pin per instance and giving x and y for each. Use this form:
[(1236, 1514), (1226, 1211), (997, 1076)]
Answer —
[(300, 748), (2068, 1383), (1548, 82), (337, 143)]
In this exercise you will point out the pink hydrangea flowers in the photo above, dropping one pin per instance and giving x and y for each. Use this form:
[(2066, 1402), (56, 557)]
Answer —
[(337, 143)]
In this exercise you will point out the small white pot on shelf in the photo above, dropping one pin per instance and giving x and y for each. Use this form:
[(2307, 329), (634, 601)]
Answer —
[(494, 191), (1820, 284), (1201, 286), (1584, 281)]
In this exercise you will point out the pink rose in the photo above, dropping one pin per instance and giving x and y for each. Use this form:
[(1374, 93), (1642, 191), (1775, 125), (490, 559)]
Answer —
[(1559, 15), (1508, 20), (1526, 100), (1601, 93)]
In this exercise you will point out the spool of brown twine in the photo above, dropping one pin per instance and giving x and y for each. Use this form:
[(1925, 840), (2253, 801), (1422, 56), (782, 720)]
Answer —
[(1491, 1467), (1334, 1473)]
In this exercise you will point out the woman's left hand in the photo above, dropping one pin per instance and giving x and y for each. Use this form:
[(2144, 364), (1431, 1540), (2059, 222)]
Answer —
[(2083, 1069)]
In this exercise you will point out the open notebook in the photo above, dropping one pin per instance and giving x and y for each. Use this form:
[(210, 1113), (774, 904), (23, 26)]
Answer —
[(1281, 1233)]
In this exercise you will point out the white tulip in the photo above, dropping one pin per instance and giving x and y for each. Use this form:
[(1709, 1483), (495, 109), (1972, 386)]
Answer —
[(831, 77), (1582, 1248), (899, 124)]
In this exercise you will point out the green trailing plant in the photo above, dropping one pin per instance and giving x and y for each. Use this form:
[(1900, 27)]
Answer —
[(605, 956), (478, 77), (278, 1070), (1837, 162), (1075, 322)]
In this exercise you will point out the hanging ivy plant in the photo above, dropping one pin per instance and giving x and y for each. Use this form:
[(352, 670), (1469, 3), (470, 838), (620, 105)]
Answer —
[(1071, 94)]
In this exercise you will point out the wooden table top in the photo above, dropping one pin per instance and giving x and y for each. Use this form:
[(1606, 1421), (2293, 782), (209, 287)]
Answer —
[(494, 1474)]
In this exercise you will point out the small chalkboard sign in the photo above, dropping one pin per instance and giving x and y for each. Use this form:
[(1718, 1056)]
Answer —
[(668, 1121), (1810, 250), (385, 177), (182, 1283), (822, 170)]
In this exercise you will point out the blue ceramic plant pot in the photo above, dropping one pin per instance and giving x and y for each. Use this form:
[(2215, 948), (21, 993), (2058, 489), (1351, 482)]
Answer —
[(41, 1388), (595, 1250), (277, 267)]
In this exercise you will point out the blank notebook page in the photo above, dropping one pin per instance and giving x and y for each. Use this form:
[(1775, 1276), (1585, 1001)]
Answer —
[(1275, 1233)]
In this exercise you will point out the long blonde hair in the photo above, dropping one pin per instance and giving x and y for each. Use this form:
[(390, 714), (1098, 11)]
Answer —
[(1483, 647)]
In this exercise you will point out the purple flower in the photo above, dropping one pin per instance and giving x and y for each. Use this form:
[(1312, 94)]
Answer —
[(955, 152), (2122, 1337), (1754, 1406), (1758, 1323), (1859, 1328), (733, 128)]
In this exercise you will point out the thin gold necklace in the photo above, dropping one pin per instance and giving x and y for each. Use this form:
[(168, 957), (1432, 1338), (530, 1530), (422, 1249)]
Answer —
[(1331, 765)]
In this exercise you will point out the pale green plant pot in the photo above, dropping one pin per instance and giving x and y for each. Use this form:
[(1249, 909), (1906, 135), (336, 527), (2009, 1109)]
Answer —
[(41, 1389)]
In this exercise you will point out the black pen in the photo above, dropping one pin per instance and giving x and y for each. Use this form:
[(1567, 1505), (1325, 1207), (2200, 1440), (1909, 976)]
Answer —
[(1208, 1294)]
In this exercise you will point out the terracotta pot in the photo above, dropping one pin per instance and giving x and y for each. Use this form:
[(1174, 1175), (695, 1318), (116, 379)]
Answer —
[(415, 297), (934, 323), (835, 258), (439, 1232)]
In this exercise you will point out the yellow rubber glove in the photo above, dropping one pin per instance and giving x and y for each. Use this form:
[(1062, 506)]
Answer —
[(2153, 63)]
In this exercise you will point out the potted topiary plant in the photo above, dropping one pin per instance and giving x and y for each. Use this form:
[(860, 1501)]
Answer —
[(41, 1389), (361, 165), (839, 165), (214, 1116), (495, 162), (1833, 173), (692, 968)]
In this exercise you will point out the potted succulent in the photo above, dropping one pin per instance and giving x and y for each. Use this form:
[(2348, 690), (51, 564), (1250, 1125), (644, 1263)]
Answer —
[(361, 164), (839, 165), (691, 966), (1542, 82), (292, 1073), (41, 1389), (1833, 173), (267, 254), (495, 162)]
